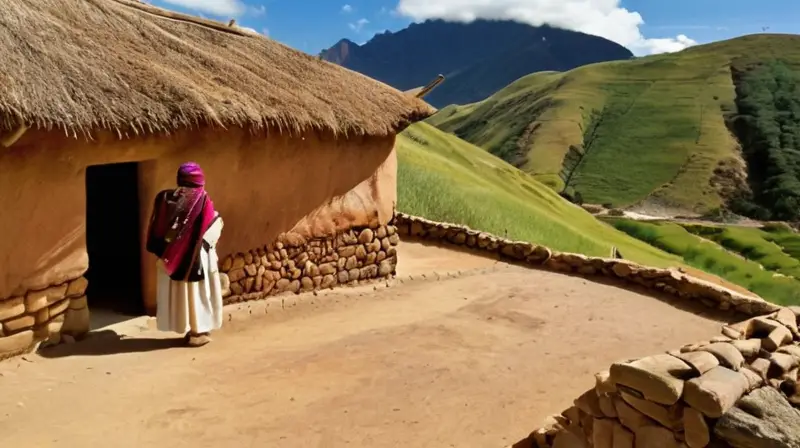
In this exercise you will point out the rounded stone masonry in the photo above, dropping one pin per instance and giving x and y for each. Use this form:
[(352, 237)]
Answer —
[(736, 390), (294, 265), (669, 281), (42, 316)]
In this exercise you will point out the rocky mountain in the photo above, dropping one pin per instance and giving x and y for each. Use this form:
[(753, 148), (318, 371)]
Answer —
[(478, 58)]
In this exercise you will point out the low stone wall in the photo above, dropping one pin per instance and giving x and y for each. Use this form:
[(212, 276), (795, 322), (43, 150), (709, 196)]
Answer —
[(736, 390), (294, 265), (670, 281), (43, 317)]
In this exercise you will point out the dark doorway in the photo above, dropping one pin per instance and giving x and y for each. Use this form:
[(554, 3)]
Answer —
[(113, 239)]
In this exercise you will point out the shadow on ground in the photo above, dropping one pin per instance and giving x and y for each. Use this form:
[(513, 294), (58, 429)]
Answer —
[(108, 342)]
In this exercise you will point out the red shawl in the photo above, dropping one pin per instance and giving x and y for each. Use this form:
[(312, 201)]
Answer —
[(180, 219)]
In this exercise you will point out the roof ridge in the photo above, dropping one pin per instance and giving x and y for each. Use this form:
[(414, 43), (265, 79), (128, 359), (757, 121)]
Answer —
[(180, 17)]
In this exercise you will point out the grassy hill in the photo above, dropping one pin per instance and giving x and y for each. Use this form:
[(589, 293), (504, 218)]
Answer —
[(447, 179), (765, 261), (652, 131), (444, 178)]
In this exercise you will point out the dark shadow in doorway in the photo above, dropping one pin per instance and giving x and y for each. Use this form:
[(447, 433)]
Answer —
[(113, 239)]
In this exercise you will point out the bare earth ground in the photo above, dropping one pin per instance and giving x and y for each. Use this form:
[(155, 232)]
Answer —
[(476, 360)]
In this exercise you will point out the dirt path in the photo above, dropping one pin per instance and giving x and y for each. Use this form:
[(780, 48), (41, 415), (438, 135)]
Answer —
[(478, 360)]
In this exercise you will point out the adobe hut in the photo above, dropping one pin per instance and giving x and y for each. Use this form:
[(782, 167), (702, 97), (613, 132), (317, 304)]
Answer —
[(101, 100)]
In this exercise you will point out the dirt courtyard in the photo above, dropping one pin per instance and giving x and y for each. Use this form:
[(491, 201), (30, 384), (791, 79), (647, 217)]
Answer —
[(470, 360)]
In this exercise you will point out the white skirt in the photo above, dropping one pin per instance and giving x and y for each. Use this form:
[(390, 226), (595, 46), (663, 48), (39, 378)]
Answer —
[(195, 306)]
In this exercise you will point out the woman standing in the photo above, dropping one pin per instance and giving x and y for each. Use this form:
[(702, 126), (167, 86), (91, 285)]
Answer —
[(183, 234)]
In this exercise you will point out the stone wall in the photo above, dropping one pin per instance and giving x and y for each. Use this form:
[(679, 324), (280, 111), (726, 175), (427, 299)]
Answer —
[(293, 264), (736, 390), (669, 281), (43, 317)]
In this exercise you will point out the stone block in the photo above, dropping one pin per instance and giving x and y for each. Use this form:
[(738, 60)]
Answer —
[(603, 433), (727, 355), (236, 274), (589, 403), (16, 342), (655, 437), (42, 316), (716, 391), (659, 378), (630, 417), (776, 338), (78, 303), (20, 323), (77, 287), (623, 438), (59, 307), (668, 416), (13, 307), (366, 236), (607, 406), (36, 300), (696, 429), (700, 361), (749, 348)]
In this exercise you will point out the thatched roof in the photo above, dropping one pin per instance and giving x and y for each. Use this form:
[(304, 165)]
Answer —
[(80, 65)]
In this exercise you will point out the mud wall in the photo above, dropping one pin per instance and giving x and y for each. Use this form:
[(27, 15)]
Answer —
[(669, 281), (738, 390), (310, 186)]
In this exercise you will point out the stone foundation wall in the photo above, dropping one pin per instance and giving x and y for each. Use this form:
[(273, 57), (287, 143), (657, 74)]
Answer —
[(293, 264), (669, 281), (736, 390), (43, 317)]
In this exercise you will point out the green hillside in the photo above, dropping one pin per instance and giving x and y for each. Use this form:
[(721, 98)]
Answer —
[(652, 131), (446, 179), (765, 261)]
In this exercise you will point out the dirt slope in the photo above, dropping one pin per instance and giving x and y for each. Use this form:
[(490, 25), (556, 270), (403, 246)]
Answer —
[(475, 360)]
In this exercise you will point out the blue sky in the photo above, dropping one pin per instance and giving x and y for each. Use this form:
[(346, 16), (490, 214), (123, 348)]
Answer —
[(668, 25)]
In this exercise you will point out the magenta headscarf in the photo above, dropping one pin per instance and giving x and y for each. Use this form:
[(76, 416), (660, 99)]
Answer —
[(191, 216)]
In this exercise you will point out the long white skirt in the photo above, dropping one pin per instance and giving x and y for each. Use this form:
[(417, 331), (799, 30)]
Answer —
[(195, 306)]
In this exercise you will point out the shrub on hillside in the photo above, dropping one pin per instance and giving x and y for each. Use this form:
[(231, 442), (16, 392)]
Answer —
[(768, 126), (777, 227)]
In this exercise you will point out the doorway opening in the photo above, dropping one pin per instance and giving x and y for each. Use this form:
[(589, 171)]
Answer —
[(113, 240)]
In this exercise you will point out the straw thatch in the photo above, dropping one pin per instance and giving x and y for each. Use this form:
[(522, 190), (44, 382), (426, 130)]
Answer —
[(80, 65)]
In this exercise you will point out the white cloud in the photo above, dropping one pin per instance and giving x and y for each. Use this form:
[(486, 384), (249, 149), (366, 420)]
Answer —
[(358, 25), (347, 9), (225, 8), (605, 18)]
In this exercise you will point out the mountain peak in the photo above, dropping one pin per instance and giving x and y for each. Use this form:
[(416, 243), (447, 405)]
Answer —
[(478, 58), (340, 52)]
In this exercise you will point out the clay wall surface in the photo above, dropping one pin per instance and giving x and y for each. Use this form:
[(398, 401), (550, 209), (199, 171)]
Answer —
[(659, 281), (311, 186), (737, 390)]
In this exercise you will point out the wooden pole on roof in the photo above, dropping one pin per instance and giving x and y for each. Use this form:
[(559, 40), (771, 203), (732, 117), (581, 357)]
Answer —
[(432, 85)]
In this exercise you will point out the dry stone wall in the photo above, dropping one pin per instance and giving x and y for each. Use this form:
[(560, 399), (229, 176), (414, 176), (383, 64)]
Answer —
[(294, 265), (45, 316), (737, 390), (669, 281)]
